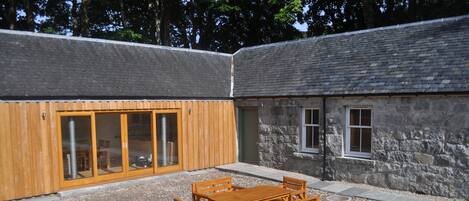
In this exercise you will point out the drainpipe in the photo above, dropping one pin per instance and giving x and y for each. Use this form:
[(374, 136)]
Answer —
[(73, 154), (324, 138), (163, 139)]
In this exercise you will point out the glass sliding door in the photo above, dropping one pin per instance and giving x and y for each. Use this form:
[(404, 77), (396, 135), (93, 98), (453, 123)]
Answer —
[(167, 141), (101, 146), (77, 155), (139, 140), (109, 143)]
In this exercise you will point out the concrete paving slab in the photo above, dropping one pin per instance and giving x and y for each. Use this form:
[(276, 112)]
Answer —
[(410, 198), (354, 191), (319, 184), (335, 188)]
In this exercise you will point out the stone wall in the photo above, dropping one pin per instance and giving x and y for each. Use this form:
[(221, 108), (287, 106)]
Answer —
[(419, 143)]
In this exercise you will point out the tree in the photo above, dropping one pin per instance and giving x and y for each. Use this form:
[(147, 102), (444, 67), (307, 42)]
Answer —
[(217, 25), (75, 19), (84, 23), (30, 24), (11, 16), (57, 14)]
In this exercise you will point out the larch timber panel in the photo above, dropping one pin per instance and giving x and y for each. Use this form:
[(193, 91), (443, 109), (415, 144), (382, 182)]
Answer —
[(29, 148)]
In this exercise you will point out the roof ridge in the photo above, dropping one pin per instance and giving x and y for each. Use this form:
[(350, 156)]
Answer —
[(397, 26), (107, 41)]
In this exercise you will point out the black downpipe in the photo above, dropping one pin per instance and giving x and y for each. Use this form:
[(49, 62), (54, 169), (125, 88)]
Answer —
[(324, 139)]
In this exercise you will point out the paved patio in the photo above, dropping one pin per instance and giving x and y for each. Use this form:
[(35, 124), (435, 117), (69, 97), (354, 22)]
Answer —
[(166, 187), (339, 188)]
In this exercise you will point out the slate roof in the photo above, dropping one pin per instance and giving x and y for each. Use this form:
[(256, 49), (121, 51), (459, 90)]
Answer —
[(425, 57), (42, 65)]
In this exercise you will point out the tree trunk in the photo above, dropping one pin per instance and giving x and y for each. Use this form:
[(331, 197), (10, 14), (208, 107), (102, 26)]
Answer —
[(412, 10), (28, 4), (164, 28), (156, 7), (123, 14), (368, 13), (85, 26), (206, 30), (11, 14), (184, 36), (195, 25), (75, 27)]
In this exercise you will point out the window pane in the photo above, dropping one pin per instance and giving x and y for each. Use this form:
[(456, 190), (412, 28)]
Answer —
[(366, 139), (167, 137), (366, 118), (108, 137), (316, 137), (355, 117), (315, 116), (139, 140), (307, 116), (354, 139), (309, 137), (76, 147)]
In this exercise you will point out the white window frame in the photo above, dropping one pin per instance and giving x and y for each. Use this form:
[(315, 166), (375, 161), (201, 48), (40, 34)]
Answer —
[(348, 127), (303, 130)]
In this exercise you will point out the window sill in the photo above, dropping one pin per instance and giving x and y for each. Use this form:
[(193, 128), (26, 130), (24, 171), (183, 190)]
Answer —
[(357, 161), (359, 155), (308, 155), (357, 158)]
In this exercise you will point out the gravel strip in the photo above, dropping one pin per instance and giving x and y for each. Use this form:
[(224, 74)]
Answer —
[(167, 188)]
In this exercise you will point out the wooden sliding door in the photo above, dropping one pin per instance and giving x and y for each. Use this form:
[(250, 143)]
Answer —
[(100, 146), (110, 144), (168, 141), (77, 148)]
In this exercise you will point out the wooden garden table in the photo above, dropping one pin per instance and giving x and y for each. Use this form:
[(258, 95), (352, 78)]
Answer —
[(258, 193)]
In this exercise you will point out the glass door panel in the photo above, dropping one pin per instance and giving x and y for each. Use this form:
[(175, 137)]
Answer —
[(139, 141), (109, 143), (77, 155), (167, 139)]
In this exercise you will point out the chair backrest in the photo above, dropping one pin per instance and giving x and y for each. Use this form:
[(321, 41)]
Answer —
[(294, 184), (213, 186)]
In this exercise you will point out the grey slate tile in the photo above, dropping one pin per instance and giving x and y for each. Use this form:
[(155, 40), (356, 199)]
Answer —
[(43, 65), (397, 59)]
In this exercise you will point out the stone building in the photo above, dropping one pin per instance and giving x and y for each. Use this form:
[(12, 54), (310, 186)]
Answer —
[(391, 103)]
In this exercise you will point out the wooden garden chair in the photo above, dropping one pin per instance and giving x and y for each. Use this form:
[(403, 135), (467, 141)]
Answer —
[(201, 190), (298, 187)]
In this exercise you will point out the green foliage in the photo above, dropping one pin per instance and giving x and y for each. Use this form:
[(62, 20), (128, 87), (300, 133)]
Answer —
[(125, 35), (49, 30), (288, 13)]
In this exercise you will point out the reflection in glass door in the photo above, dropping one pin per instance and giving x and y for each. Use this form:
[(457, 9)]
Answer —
[(77, 153), (139, 139), (167, 139), (109, 143)]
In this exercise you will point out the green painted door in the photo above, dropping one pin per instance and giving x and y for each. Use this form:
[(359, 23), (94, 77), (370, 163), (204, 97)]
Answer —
[(248, 135)]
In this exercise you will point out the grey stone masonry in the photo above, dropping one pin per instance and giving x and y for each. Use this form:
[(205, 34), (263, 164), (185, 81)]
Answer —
[(419, 143)]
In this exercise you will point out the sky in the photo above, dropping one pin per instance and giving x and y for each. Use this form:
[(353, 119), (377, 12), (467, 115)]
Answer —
[(301, 27)]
